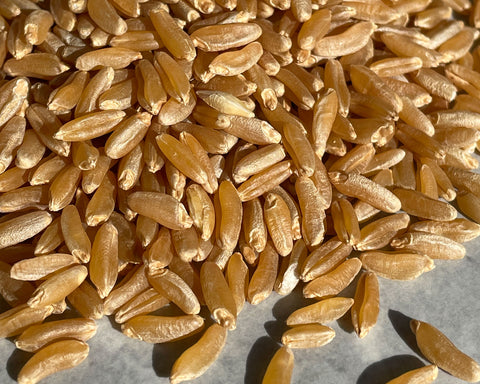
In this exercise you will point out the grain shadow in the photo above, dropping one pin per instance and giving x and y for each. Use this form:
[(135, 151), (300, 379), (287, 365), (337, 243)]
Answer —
[(16, 361), (387, 369), (289, 303), (345, 322), (275, 329), (258, 358), (401, 324)]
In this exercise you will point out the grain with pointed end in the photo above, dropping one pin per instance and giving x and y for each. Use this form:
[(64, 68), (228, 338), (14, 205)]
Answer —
[(280, 368), (162, 329), (199, 357), (114, 57), (313, 214), (39, 267), (173, 287), (218, 296), (23, 227), (378, 233), (322, 312), (308, 336), (162, 208), (58, 286), (366, 190), (51, 359), (279, 224), (229, 219), (237, 278), (399, 265), (366, 306), (38, 336), (426, 375), (16, 320), (434, 246), (417, 204), (459, 230), (263, 279), (438, 349), (90, 126), (222, 37), (333, 282)]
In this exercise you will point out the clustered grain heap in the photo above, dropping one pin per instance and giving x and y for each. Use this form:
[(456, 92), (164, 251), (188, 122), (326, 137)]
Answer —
[(201, 152)]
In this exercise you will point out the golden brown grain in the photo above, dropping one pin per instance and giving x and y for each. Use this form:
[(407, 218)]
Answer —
[(437, 348)]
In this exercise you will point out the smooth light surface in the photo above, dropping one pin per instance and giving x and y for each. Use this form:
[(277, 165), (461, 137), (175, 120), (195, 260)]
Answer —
[(446, 297)]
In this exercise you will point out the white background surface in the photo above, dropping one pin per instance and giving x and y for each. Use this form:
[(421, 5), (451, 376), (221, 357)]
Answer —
[(447, 297)]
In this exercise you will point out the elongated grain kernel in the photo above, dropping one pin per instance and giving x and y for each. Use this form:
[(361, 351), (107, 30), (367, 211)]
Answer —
[(162, 208), (459, 230), (308, 336), (230, 216), (38, 336), (417, 204), (299, 149), (222, 37), (366, 190), (333, 282), (280, 368), (235, 63), (103, 268), (277, 217), (367, 304), (345, 221), (325, 258), (350, 41), (74, 234), (437, 348), (237, 278), (322, 312), (199, 357), (173, 78), (396, 265), (127, 135), (133, 284), (404, 46), (311, 205), (23, 227), (218, 295), (90, 126), (434, 246), (56, 357), (254, 226), (162, 329), (104, 15), (39, 65), (18, 319), (114, 57), (258, 161), (378, 233), (178, 43), (86, 301), (58, 286), (142, 304), (175, 289), (324, 112), (263, 279), (290, 269), (30, 151), (182, 157), (426, 375), (40, 266)]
